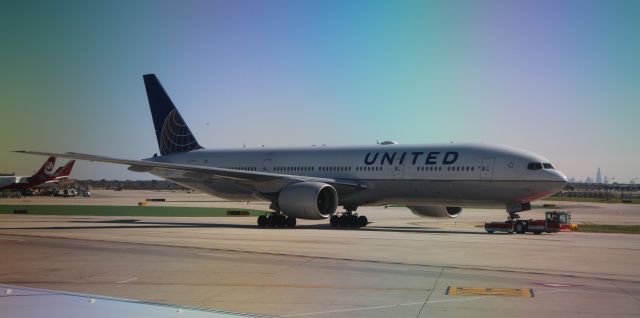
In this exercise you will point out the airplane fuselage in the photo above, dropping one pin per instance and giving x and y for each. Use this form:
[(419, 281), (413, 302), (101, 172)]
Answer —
[(446, 174)]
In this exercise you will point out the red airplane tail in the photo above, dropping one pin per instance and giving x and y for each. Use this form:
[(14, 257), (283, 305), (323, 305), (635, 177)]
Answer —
[(64, 172), (46, 171)]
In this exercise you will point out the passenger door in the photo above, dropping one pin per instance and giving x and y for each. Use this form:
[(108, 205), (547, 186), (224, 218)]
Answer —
[(486, 169)]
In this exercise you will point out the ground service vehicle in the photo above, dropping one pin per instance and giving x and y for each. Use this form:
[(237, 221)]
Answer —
[(554, 221)]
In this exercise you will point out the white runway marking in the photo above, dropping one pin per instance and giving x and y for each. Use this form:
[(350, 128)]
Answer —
[(127, 280)]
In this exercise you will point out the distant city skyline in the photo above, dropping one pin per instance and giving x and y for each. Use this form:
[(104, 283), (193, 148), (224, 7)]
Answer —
[(558, 78), (601, 178)]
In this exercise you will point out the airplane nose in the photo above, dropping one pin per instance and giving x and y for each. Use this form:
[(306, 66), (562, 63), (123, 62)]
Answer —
[(558, 176)]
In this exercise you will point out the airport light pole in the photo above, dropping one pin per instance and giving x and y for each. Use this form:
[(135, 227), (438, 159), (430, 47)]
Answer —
[(613, 185), (632, 181)]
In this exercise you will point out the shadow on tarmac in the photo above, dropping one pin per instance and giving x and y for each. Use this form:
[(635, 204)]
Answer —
[(137, 224)]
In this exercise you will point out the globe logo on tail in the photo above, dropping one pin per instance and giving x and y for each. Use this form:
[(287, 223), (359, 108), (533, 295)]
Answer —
[(176, 136)]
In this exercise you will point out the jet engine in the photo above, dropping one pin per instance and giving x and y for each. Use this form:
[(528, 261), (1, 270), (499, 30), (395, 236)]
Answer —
[(436, 211), (308, 200)]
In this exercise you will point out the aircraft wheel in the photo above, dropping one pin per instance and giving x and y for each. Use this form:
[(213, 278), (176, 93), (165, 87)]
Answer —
[(290, 221), (271, 221), (262, 221), (344, 220), (353, 221), (520, 228), (362, 221)]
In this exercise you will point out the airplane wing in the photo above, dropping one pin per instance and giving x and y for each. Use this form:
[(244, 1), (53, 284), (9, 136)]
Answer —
[(199, 172)]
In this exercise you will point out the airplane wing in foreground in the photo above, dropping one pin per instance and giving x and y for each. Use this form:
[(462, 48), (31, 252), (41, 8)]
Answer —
[(200, 172)]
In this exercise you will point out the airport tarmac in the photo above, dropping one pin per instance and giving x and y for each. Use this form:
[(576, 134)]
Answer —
[(399, 266)]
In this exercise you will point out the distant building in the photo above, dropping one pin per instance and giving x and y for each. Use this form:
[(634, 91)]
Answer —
[(589, 180), (572, 180), (598, 176), (606, 180)]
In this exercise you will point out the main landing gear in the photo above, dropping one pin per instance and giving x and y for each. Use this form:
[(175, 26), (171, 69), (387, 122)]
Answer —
[(276, 219), (348, 219)]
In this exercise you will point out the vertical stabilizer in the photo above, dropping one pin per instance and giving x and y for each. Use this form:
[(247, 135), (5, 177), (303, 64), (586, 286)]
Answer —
[(172, 132), (65, 172), (47, 168)]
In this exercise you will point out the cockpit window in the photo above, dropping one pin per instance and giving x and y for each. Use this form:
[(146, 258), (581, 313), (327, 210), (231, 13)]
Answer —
[(534, 166), (548, 166)]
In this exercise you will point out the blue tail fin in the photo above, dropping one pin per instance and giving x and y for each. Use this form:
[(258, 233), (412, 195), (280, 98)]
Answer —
[(172, 132)]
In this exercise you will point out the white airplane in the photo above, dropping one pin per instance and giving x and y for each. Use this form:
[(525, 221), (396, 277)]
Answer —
[(311, 182)]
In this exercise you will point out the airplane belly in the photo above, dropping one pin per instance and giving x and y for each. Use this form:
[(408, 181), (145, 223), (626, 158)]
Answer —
[(441, 192)]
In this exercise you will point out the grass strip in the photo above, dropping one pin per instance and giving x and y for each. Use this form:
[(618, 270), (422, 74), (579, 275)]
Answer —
[(596, 200), (101, 210), (606, 228)]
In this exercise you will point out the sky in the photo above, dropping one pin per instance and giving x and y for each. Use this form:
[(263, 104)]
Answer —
[(559, 78)]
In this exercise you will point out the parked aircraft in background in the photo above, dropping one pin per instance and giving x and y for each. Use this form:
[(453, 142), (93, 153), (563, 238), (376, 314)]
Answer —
[(44, 175), (310, 183)]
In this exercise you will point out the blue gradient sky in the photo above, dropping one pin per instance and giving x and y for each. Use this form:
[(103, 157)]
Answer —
[(559, 78)]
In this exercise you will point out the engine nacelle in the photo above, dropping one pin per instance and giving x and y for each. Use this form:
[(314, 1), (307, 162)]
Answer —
[(436, 211), (308, 200)]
